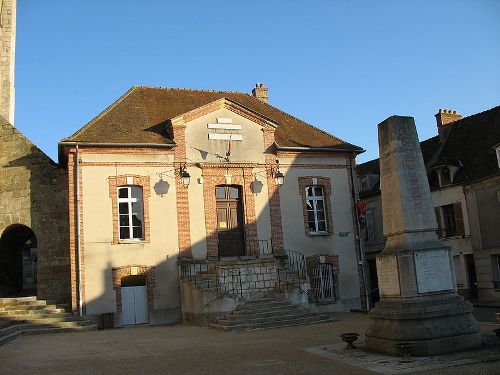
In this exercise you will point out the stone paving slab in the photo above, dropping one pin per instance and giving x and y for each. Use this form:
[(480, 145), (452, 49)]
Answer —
[(389, 365)]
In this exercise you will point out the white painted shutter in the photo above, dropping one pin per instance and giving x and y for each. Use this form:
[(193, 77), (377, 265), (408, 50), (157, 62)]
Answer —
[(128, 306), (141, 304)]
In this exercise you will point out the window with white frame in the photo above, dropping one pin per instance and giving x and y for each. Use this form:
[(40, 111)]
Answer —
[(130, 213), (316, 212)]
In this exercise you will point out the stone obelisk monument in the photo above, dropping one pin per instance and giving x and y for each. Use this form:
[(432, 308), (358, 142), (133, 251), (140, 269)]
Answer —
[(419, 300)]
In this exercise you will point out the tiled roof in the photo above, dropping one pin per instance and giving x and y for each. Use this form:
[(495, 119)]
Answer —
[(470, 143), (141, 116)]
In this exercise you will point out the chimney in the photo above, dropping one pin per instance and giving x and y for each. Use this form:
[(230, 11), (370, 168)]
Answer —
[(445, 118), (260, 92)]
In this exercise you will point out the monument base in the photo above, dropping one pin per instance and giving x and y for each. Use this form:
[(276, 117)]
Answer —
[(436, 325)]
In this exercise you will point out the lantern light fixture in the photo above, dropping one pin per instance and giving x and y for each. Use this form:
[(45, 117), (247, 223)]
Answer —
[(185, 176), (277, 174)]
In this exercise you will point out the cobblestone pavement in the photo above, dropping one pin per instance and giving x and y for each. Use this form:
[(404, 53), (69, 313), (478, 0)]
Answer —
[(193, 350)]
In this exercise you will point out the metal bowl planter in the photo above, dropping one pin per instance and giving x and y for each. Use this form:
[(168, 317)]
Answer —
[(405, 348), (349, 338)]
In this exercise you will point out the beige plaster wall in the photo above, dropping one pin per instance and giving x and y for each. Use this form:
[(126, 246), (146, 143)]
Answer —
[(197, 214), (200, 149), (262, 211), (293, 223), (100, 255)]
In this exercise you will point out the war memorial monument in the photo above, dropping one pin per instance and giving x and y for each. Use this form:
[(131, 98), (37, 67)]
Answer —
[(419, 301)]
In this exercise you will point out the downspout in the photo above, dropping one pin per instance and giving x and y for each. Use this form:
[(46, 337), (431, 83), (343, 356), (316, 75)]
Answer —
[(78, 254), (358, 234)]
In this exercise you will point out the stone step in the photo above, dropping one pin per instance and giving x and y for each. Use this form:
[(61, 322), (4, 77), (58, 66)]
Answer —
[(9, 337), (12, 300), (87, 328), (263, 300), (272, 325), (17, 318), (267, 312), (264, 306), (24, 312), (50, 319), (8, 330), (38, 306), (40, 325), (278, 318)]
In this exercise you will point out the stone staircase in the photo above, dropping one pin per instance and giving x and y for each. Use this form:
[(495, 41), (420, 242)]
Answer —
[(27, 315), (267, 313)]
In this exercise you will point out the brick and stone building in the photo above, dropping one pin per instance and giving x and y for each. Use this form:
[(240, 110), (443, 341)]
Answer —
[(183, 202)]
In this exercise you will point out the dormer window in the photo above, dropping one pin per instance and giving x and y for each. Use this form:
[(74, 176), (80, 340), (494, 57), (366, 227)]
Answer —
[(446, 173), (444, 176)]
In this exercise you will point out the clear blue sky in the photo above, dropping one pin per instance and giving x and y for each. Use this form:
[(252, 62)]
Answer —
[(343, 66)]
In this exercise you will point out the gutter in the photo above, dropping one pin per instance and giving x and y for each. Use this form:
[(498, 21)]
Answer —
[(355, 196), (78, 252), (319, 149), (112, 144)]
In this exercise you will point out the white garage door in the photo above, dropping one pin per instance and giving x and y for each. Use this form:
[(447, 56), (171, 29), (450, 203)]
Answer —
[(134, 305)]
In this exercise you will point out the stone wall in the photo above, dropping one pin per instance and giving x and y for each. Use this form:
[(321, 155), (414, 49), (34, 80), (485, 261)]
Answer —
[(34, 193), (7, 57), (249, 279)]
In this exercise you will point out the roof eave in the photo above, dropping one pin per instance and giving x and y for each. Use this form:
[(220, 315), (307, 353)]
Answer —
[(63, 144), (356, 150)]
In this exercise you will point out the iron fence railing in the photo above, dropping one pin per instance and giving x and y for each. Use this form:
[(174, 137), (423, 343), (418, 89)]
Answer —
[(236, 246), (293, 273), (211, 275)]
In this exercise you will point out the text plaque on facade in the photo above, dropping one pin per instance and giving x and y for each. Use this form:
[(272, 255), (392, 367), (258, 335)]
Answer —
[(388, 275), (433, 271)]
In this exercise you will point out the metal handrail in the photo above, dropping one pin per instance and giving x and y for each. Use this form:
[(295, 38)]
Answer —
[(293, 272), (199, 272)]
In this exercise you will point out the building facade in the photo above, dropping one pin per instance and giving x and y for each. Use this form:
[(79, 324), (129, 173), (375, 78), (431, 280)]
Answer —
[(171, 190)]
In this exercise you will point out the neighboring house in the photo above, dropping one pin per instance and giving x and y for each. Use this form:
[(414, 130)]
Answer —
[(218, 189), (463, 171)]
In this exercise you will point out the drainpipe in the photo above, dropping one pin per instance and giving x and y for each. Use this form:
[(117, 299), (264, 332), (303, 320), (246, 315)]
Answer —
[(358, 234), (78, 254)]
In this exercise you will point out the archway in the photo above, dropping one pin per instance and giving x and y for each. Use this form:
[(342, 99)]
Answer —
[(18, 261)]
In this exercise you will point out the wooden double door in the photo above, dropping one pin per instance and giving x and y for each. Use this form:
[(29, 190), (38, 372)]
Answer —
[(230, 233)]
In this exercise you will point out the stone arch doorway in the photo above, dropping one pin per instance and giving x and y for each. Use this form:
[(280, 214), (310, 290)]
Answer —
[(18, 261)]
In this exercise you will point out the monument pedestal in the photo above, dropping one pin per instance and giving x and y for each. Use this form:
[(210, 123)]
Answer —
[(436, 326), (418, 295), (419, 304)]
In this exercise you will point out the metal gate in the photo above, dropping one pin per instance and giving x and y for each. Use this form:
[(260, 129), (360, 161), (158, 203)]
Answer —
[(134, 305), (322, 283)]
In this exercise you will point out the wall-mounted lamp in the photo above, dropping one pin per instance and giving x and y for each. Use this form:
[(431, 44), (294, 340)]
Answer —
[(276, 173), (185, 176), (182, 173)]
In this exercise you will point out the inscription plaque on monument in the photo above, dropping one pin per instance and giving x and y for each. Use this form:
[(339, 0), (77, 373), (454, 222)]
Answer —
[(388, 276), (433, 271)]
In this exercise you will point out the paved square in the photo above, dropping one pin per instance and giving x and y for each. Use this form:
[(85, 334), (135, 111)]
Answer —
[(193, 350)]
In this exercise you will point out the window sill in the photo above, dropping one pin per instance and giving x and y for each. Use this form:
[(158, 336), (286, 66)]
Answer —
[(319, 234), (131, 241)]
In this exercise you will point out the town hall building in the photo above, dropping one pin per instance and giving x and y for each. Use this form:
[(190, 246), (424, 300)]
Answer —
[(183, 203)]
